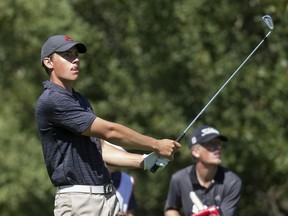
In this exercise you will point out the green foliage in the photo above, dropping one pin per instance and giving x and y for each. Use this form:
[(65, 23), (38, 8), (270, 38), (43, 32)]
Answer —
[(152, 65)]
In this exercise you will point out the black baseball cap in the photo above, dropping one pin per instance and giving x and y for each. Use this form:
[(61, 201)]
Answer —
[(204, 134), (60, 43)]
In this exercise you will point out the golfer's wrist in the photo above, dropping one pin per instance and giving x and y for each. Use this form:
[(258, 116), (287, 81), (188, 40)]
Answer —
[(155, 146)]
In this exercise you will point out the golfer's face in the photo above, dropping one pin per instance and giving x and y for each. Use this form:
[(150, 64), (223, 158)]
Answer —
[(210, 152), (66, 65)]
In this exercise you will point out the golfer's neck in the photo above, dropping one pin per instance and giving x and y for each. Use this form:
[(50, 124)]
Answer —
[(205, 173)]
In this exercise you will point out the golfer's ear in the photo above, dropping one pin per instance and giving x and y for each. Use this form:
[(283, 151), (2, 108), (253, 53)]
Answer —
[(48, 63), (195, 151)]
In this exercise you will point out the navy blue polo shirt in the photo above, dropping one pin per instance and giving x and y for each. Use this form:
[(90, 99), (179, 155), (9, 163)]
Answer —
[(70, 158), (224, 192)]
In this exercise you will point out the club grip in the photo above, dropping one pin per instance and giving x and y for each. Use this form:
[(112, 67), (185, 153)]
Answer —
[(179, 138)]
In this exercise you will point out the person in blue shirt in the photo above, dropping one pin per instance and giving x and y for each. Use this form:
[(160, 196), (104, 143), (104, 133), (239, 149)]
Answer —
[(124, 186)]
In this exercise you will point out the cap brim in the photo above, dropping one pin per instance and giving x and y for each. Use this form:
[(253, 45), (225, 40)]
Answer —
[(212, 136), (80, 47), (223, 138)]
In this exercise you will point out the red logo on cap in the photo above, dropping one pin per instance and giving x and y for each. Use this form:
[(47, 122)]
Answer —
[(67, 38)]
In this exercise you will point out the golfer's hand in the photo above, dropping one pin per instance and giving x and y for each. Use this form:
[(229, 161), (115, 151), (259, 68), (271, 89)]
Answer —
[(162, 162), (151, 159), (166, 148)]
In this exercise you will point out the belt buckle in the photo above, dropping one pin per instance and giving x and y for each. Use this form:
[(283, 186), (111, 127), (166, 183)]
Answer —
[(108, 188)]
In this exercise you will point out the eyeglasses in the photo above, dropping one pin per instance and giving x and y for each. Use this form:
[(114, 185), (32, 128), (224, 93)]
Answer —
[(214, 142)]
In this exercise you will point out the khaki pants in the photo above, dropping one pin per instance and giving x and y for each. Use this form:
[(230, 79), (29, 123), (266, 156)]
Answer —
[(74, 204)]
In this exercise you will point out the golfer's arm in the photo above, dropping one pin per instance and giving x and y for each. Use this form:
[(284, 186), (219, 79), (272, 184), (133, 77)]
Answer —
[(120, 158), (123, 136), (172, 213)]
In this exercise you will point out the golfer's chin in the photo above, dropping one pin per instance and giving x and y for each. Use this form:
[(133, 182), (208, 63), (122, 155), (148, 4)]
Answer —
[(216, 161), (75, 76)]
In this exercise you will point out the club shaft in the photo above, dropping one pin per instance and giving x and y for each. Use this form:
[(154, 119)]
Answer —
[(234, 73), (155, 167)]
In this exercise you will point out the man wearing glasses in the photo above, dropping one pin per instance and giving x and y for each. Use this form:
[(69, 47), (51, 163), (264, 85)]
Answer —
[(214, 185)]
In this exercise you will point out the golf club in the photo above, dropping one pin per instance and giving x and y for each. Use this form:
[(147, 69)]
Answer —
[(269, 22)]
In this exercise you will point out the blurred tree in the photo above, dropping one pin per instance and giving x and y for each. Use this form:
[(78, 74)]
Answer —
[(152, 65)]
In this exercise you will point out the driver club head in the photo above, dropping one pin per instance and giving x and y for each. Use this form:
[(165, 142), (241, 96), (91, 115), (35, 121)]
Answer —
[(268, 21)]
